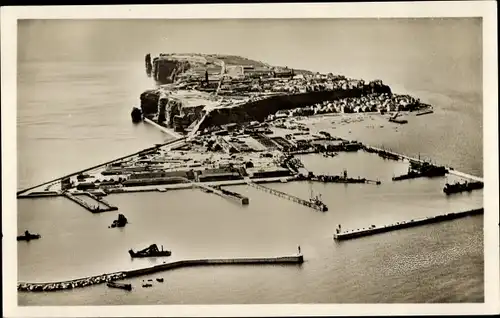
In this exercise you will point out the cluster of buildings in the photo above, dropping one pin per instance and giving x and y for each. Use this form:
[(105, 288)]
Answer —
[(368, 103)]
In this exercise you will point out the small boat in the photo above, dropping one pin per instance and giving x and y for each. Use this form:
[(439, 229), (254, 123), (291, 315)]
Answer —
[(147, 285), (28, 236), (120, 222), (160, 280), (151, 251), (119, 285)]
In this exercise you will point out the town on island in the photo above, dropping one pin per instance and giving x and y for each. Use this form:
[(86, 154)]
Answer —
[(236, 121)]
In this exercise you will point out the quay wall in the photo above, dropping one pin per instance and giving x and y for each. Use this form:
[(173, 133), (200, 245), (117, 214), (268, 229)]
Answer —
[(407, 224), (260, 109), (93, 280), (100, 165)]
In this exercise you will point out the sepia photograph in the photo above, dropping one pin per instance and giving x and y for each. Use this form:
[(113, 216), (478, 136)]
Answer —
[(265, 157)]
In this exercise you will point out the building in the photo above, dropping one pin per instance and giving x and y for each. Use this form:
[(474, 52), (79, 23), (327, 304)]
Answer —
[(218, 175), (163, 174)]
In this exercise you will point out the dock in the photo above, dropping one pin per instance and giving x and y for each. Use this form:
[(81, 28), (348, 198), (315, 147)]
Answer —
[(106, 278), (319, 206), (372, 230), (226, 194), (75, 198)]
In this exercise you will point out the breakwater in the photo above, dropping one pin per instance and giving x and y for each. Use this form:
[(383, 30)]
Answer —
[(372, 230), (104, 278), (168, 131)]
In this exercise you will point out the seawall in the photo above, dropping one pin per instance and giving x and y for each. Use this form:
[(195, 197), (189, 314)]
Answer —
[(93, 280), (405, 224)]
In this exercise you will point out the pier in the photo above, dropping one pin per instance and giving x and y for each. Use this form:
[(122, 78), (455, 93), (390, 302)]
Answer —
[(372, 230), (104, 278), (393, 154), (94, 209), (313, 204), (226, 194)]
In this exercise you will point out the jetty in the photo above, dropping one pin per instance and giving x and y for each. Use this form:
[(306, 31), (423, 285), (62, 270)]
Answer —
[(106, 278), (94, 209), (166, 130), (373, 229), (226, 194), (315, 204)]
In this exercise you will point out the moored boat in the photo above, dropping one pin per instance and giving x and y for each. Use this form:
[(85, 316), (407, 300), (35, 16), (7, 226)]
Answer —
[(119, 285), (120, 222), (28, 236)]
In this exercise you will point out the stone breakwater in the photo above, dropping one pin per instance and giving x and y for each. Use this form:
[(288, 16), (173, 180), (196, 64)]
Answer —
[(76, 283), (104, 278)]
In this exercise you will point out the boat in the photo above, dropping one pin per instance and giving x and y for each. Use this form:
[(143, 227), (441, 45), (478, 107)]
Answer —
[(398, 121), (147, 285), (28, 236), (151, 251), (120, 222), (316, 200), (160, 280), (461, 187), (119, 285)]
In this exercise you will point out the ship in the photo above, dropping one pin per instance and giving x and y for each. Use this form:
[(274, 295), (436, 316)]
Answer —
[(461, 187), (28, 236), (119, 285), (120, 222), (316, 200), (151, 251)]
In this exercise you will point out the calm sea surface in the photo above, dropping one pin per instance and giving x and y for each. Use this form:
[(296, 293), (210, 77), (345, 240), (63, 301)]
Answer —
[(75, 92)]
